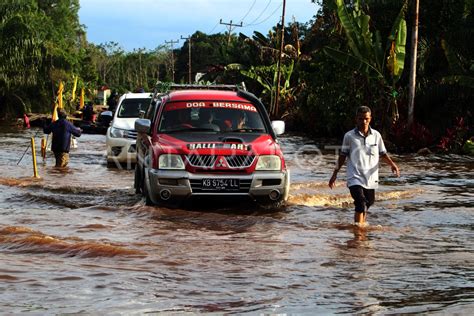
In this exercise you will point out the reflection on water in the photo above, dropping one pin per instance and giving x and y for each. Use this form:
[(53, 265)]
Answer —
[(81, 241)]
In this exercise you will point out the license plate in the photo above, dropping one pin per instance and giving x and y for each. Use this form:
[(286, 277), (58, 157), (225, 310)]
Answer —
[(220, 184)]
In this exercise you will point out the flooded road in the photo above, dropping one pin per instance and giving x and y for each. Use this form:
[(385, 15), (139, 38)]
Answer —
[(82, 242)]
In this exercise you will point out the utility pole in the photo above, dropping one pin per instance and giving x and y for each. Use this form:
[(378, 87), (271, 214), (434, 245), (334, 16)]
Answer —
[(282, 43), (140, 81), (172, 56), (413, 57), (189, 57), (230, 26)]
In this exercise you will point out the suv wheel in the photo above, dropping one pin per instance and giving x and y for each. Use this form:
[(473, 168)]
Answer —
[(271, 205), (146, 195), (138, 181)]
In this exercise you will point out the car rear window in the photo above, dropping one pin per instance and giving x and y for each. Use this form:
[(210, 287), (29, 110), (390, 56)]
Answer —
[(222, 116), (132, 107)]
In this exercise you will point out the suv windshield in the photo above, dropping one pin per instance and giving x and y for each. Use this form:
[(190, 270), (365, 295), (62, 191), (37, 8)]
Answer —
[(210, 116), (132, 107)]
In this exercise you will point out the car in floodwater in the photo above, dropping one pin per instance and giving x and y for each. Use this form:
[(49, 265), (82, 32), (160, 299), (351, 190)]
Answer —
[(209, 141), (121, 135)]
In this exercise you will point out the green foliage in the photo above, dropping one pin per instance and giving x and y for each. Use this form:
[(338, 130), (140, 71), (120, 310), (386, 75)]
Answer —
[(459, 75), (266, 76), (445, 90), (21, 44), (331, 65), (38, 46), (367, 55)]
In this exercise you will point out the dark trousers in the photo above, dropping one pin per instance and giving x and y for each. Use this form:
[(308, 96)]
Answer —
[(363, 198)]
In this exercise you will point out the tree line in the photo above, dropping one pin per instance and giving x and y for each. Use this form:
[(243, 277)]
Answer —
[(352, 53)]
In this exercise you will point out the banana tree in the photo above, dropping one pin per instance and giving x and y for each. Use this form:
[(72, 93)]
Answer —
[(460, 75), (267, 77), (367, 55)]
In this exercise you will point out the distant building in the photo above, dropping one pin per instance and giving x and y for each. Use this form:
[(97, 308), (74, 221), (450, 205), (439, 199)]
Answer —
[(102, 95)]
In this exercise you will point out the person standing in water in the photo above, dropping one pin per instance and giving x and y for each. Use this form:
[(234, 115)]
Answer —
[(62, 130), (26, 121), (362, 146)]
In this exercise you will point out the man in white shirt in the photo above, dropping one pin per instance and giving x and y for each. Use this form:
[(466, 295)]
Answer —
[(363, 146)]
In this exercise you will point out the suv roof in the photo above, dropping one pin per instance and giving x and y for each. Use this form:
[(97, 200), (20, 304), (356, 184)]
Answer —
[(133, 95), (209, 95), (164, 87)]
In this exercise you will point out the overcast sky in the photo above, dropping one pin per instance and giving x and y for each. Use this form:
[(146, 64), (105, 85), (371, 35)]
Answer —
[(149, 23)]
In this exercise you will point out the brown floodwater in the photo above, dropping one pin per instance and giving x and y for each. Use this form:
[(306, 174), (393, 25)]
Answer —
[(80, 241)]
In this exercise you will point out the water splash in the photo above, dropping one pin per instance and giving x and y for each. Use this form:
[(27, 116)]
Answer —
[(26, 240), (318, 194)]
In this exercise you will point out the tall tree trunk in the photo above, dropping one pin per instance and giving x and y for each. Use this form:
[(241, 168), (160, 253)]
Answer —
[(413, 57)]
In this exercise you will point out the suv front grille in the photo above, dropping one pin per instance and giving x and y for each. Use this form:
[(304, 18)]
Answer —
[(208, 161), (240, 161), (130, 134), (202, 161)]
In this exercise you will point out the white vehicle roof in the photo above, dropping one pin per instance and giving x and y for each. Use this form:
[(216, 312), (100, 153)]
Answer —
[(128, 122), (141, 95), (130, 95)]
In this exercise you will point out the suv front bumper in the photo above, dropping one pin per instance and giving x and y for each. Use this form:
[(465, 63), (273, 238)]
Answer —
[(121, 150), (177, 185)]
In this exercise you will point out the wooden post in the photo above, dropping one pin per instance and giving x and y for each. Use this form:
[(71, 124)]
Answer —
[(282, 43), (43, 148), (189, 57), (33, 151), (172, 55), (412, 75)]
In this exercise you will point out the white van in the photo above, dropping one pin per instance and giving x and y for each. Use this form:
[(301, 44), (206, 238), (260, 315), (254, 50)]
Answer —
[(121, 135)]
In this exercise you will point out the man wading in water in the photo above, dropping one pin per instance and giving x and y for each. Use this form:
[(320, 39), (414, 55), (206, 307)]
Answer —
[(363, 146), (62, 131)]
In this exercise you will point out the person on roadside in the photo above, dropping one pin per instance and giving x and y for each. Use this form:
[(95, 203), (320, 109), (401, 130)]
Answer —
[(62, 130), (26, 121), (88, 113), (362, 147), (113, 101)]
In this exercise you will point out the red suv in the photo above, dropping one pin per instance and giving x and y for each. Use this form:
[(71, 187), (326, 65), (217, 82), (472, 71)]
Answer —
[(198, 141)]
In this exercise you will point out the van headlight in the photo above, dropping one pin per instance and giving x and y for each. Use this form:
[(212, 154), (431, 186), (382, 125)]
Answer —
[(268, 162), (170, 162), (117, 132)]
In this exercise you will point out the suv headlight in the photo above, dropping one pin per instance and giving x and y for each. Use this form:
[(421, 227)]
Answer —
[(117, 132), (268, 162), (170, 161)]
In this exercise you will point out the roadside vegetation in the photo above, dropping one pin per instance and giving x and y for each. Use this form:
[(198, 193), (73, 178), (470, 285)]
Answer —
[(352, 53)]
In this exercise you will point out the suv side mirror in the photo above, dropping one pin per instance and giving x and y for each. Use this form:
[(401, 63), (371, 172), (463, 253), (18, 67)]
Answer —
[(278, 127), (143, 125)]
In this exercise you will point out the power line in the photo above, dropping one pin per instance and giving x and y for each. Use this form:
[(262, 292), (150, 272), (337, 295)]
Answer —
[(251, 7), (268, 17), (261, 13), (214, 28)]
